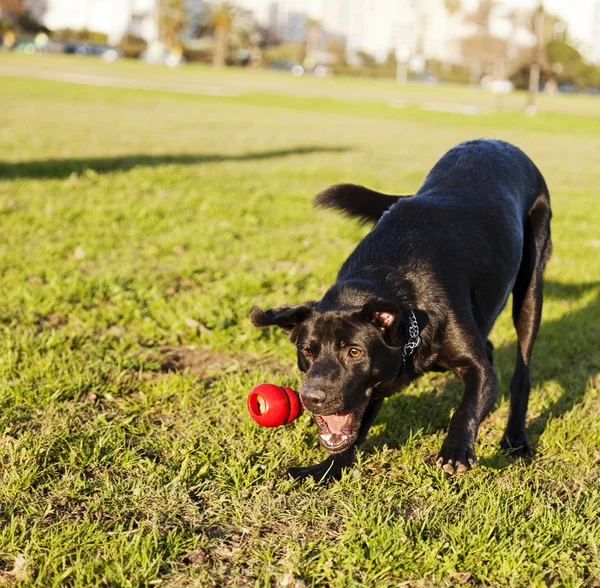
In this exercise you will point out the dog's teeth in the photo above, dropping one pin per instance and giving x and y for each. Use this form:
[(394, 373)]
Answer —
[(327, 437)]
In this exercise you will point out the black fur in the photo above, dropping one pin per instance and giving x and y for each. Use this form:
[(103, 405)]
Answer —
[(477, 230), (356, 201)]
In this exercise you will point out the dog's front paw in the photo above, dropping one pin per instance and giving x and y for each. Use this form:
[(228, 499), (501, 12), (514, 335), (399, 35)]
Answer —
[(456, 457), (329, 469)]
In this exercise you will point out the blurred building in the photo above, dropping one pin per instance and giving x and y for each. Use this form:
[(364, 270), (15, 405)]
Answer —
[(11, 10), (424, 28), (427, 28), (111, 17), (11, 7), (582, 18)]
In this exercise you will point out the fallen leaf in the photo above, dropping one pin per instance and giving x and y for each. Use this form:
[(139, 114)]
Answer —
[(194, 324), (460, 577), (79, 253)]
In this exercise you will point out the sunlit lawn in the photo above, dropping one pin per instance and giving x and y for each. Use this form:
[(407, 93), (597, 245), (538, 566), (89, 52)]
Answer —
[(138, 227)]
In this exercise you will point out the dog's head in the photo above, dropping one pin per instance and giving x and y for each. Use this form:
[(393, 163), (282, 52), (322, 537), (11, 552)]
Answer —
[(344, 353)]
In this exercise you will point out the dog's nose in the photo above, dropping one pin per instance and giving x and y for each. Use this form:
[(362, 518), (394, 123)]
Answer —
[(313, 396)]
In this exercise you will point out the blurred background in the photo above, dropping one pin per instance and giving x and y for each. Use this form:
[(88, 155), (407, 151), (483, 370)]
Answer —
[(553, 46), (158, 159)]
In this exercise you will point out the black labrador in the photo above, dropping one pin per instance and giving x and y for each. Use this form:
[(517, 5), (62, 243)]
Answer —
[(421, 293)]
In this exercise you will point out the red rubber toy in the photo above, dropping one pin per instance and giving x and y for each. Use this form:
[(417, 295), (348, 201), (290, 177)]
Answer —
[(272, 406)]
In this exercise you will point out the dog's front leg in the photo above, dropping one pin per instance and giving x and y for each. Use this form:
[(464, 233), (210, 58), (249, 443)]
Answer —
[(457, 454), (334, 465), (330, 468)]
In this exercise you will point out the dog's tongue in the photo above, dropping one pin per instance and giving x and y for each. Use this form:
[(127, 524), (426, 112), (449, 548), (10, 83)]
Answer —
[(335, 422)]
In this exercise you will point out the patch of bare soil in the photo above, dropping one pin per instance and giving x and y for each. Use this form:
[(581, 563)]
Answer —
[(50, 321), (203, 363), (14, 569)]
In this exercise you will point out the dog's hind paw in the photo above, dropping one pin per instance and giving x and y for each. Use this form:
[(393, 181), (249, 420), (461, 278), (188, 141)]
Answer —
[(516, 448), (456, 458)]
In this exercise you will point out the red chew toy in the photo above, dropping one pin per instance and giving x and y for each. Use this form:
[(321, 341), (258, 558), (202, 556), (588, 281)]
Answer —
[(272, 406)]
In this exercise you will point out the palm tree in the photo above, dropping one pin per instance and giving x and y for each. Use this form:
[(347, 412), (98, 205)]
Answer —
[(452, 6), (172, 19), (313, 32), (222, 21)]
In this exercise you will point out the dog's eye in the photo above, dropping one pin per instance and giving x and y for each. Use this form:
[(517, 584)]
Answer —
[(307, 351), (354, 352)]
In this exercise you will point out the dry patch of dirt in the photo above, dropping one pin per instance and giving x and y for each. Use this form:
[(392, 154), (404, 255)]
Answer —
[(50, 321), (203, 363), (14, 569)]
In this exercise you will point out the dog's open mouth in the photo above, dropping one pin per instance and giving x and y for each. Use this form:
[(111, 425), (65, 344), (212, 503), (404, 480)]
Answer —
[(337, 431)]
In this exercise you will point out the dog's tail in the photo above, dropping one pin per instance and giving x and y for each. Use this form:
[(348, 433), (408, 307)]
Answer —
[(356, 201)]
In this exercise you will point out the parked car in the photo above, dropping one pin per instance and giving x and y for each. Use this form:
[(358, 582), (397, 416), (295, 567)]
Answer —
[(287, 65), (296, 69), (592, 90), (567, 88), (53, 47), (107, 53), (24, 45), (425, 77)]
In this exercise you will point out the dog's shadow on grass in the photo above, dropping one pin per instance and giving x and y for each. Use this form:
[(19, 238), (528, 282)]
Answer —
[(566, 352), (64, 168)]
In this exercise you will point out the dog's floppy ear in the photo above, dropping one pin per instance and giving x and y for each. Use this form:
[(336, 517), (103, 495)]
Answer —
[(385, 316), (287, 318)]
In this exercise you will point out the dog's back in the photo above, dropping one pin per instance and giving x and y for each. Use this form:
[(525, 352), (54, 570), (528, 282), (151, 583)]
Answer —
[(471, 216), (474, 168)]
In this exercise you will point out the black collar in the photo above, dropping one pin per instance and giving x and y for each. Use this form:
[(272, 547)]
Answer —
[(410, 346)]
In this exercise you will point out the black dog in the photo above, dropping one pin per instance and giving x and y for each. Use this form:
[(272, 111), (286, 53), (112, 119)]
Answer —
[(421, 293)]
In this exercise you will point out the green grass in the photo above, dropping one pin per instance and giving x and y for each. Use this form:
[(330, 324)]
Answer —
[(138, 228)]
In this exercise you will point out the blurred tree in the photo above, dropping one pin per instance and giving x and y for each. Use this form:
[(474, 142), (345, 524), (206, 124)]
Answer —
[(281, 52), (482, 14), (568, 65), (35, 10), (336, 48), (390, 60), (267, 37), (452, 6), (131, 45), (313, 32), (242, 32), (172, 20), (481, 49), (366, 59), (222, 21), (66, 35), (535, 68), (558, 60), (24, 15)]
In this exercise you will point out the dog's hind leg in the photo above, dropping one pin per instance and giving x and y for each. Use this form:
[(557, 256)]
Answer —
[(527, 314), (489, 351)]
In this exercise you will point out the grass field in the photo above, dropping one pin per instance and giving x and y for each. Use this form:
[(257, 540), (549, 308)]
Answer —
[(138, 227)]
